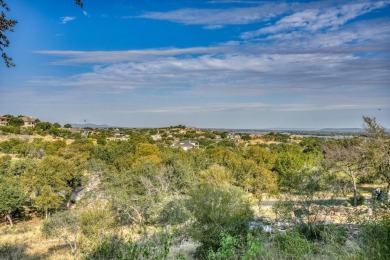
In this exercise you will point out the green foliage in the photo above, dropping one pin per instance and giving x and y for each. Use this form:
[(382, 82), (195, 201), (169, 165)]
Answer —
[(227, 248), (321, 231), (292, 245), (12, 197), (169, 212), (375, 239), (94, 222), (289, 164), (67, 126), (114, 247), (49, 182), (10, 145), (12, 251), (246, 248), (15, 121), (218, 210), (43, 126), (278, 137)]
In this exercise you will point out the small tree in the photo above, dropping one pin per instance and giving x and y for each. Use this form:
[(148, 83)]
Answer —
[(64, 225), (376, 151), (11, 198), (49, 183), (345, 158)]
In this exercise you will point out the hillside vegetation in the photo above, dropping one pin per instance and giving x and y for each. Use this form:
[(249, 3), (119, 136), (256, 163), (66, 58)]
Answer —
[(128, 194)]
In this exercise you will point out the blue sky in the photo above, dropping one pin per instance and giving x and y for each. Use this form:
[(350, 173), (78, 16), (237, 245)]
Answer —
[(221, 63)]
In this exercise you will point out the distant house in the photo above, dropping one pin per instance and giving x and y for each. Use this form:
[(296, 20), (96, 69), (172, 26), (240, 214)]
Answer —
[(4, 121), (30, 121), (156, 137), (186, 145)]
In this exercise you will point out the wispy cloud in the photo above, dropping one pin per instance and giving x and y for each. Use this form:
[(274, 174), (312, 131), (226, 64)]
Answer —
[(218, 17), (85, 13), (310, 56), (313, 20), (76, 57), (67, 19)]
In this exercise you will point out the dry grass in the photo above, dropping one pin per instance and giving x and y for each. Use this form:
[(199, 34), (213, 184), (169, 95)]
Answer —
[(25, 241)]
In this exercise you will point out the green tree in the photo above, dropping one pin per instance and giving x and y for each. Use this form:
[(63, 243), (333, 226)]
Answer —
[(49, 183), (12, 197), (15, 121), (43, 126), (67, 126), (289, 164), (376, 151)]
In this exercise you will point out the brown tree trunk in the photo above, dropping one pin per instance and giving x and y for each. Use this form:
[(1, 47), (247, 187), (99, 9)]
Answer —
[(354, 191), (8, 216)]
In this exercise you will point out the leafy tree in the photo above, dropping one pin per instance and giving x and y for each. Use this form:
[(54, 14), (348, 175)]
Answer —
[(376, 151), (289, 164), (67, 126), (56, 125), (12, 197), (344, 157), (43, 126), (15, 121), (49, 183)]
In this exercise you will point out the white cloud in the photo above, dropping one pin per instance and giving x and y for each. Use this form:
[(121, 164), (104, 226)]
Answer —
[(218, 17), (67, 19), (85, 13), (313, 20)]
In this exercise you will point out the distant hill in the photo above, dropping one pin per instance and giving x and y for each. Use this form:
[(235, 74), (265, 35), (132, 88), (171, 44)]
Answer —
[(90, 125), (342, 130)]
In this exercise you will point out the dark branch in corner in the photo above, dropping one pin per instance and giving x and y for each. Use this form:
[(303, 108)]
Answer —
[(7, 25)]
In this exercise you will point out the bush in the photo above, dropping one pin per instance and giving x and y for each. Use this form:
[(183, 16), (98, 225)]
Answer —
[(360, 200), (323, 232), (12, 251), (293, 245), (218, 210), (375, 239), (94, 222), (238, 248), (64, 225), (156, 247), (169, 212)]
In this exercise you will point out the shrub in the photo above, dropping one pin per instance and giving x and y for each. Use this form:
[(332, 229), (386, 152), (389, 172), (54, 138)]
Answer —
[(64, 225), (375, 239), (169, 212), (293, 245), (360, 200), (238, 248), (94, 222), (114, 247), (320, 231), (218, 210)]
